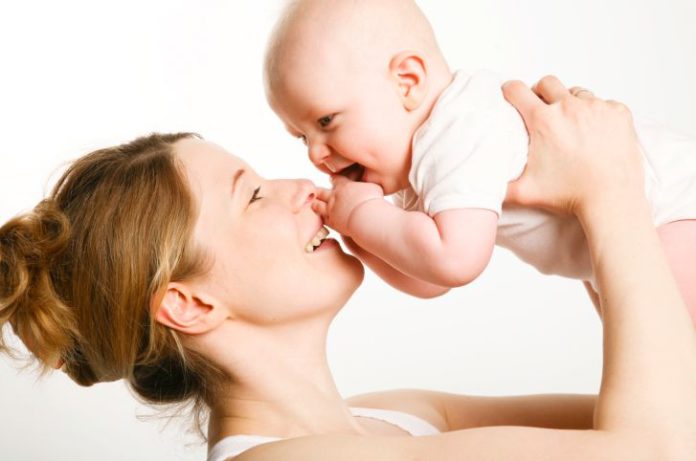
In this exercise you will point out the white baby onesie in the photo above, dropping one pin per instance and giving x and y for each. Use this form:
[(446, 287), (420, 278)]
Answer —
[(475, 142)]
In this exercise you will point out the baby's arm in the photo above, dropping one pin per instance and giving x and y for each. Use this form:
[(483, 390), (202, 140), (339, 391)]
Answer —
[(449, 250), (393, 277)]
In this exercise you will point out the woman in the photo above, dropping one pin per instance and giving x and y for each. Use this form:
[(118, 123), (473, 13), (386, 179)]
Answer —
[(151, 262)]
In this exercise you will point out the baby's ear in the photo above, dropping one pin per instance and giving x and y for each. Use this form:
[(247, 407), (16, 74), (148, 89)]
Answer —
[(188, 312), (409, 71)]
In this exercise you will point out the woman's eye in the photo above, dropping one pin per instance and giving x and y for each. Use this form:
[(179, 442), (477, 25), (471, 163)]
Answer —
[(255, 196), (325, 120)]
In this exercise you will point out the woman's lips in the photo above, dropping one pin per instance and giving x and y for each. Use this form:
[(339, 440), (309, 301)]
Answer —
[(326, 244)]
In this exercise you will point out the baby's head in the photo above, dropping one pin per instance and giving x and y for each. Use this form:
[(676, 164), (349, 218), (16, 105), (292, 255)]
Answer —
[(354, 79)]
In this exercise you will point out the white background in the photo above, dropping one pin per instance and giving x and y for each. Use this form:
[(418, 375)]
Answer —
[(76, 76)]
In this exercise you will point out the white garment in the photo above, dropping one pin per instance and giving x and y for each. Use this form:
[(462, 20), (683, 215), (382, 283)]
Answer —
[(475, 142), (232, 446)]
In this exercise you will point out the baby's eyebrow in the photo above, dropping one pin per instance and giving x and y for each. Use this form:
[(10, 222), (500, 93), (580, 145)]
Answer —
[(238, 174)]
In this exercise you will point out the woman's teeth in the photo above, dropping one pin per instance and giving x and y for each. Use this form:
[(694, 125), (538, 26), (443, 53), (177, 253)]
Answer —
[(316, 241)]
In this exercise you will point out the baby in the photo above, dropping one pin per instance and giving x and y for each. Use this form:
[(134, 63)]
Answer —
[(365, 86)]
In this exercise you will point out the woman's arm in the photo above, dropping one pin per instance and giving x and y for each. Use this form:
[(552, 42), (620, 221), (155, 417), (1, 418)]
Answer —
[(483, 444), (549, 411), (581, 162), (450, 412)]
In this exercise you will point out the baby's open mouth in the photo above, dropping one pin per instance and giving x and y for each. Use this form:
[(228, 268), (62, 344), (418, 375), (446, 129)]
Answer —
[(353, 172)]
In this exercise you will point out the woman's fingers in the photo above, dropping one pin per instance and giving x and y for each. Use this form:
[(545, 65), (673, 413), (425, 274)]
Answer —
[(582, 93), (523, 98), (550, 89), (522, 191)]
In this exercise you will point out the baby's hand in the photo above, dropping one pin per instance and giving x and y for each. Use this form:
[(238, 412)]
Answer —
[(337, 205)]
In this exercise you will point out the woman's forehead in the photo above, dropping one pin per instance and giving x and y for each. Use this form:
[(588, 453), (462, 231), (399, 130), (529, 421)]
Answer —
[(205, 158)]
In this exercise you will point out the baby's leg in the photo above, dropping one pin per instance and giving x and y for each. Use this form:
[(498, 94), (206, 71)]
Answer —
[(679, 243)]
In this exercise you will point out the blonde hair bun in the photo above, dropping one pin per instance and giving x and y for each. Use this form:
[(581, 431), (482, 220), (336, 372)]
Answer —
[(30, 244)]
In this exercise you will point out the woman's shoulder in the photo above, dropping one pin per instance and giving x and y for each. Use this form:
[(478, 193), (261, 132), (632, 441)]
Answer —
[(336, 447), (426, 405), (420, 403), (423, 404)]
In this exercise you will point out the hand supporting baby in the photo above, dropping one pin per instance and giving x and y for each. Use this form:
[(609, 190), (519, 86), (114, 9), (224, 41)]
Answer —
[(583, 150)]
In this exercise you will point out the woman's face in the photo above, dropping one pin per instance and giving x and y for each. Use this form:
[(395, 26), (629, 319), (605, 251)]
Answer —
[(257, 232)]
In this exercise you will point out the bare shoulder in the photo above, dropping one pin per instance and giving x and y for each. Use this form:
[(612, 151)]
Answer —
[(336, 447), (427, 405), (340, 447)]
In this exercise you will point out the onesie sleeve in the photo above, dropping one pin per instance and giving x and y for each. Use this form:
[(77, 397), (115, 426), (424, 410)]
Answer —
[(471, 146)]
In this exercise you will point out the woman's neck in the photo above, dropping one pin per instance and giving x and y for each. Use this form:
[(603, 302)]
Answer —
[(281, 385)]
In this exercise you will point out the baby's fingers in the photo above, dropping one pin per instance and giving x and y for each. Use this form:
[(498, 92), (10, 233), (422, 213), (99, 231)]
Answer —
[(338, 179), (320, 207), (323, 194)]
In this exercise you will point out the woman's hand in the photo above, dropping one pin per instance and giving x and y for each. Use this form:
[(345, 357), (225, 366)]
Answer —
[(582, 150)]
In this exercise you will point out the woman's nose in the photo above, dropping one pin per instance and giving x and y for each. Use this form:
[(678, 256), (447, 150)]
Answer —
[(299, 192)]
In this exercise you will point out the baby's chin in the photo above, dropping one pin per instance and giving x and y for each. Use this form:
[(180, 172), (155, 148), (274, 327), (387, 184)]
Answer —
[(389, 187)]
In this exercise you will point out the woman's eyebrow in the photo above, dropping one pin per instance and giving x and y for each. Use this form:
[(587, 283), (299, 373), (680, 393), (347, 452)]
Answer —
[(236, 176)]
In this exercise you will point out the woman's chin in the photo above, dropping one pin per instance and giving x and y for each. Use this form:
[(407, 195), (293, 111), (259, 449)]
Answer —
[(357, 267), (356, 275), (347, 270), (354, 264)]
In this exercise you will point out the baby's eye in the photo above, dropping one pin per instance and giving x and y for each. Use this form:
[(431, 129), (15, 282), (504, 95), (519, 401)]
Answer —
[(325, 120), (302, 138), (255, 196)]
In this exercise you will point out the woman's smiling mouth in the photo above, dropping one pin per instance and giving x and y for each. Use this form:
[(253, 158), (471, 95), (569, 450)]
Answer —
[(320, 236)]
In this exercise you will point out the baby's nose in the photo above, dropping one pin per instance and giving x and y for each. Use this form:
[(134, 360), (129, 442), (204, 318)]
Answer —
[(318, 153)]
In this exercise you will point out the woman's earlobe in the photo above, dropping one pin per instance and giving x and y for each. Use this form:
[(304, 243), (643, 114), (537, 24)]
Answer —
[(410, 73), (185, 311)]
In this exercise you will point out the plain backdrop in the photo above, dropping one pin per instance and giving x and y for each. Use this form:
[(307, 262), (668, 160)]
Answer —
[(78, 75)]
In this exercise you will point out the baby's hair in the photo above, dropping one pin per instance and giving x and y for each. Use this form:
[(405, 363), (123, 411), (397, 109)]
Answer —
[(357, 25), (79, 273)]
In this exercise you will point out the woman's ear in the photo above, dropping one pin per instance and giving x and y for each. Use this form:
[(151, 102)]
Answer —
[(409, 70), (185, 311)]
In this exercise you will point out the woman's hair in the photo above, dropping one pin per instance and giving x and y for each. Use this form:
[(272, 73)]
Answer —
[(81, 272)]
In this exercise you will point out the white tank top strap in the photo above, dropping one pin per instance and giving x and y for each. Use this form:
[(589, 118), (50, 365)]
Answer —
[(231, 446), (412, 424)]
